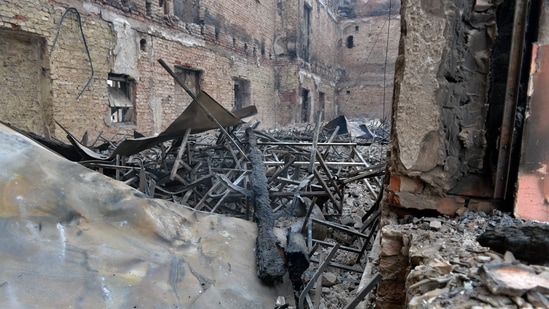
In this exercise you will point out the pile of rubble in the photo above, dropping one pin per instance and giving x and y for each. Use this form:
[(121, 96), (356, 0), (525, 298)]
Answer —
[(439, 263), (323, 192)]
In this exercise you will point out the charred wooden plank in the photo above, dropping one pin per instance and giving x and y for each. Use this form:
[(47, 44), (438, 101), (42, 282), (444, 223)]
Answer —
[(318, 273), (270, 264), (528, 242)]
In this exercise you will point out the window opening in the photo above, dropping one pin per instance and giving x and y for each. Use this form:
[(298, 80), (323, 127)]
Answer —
[(191, 79), (350, 42), (304, 105), (164, 3), (321, 100), (148, 8), (121, 98), (143, 45), (242, 93)]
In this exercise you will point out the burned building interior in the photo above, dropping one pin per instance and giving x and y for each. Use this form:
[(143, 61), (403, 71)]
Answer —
[(274, 154)]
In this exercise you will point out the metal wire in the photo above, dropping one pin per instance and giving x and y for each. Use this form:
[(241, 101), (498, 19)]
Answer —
[(79, 20)]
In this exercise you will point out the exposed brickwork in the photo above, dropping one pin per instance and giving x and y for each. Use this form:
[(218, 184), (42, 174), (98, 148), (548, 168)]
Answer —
[(394, 266), (264, 42), (24, 86)]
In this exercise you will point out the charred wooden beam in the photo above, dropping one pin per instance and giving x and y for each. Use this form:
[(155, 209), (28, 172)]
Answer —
[(270, 264), (340, 227), (327, 190), (373, 171), (345, 248), (528, 242), (180, 153), (339, 265)]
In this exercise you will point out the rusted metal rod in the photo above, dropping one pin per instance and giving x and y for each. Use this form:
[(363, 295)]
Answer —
[(319, 272)]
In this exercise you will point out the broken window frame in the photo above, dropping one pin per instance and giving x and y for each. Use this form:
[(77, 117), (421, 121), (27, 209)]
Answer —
[(121, 99)]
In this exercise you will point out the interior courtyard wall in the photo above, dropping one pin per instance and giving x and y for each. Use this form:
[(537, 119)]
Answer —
[(311, 46), (367, 51), (221, 51)]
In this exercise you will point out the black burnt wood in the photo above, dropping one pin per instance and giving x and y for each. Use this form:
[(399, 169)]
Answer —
[(270, 264), (528, 242)]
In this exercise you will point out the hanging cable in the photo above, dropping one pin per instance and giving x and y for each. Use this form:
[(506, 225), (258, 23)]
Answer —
[(79, 20)]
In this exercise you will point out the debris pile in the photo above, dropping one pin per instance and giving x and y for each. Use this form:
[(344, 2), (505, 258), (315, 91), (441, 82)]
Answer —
[(450, 269), (210, 160), (321, 186)]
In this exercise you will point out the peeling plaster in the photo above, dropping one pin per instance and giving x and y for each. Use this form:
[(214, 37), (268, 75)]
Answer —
[(278, 48), (157, 112), (174, 35), (304, 74), (316, 78), (90, 8), (126, 50), (418, 114)]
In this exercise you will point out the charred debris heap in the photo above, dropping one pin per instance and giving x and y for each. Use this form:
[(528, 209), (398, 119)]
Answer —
[(211, 160)]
